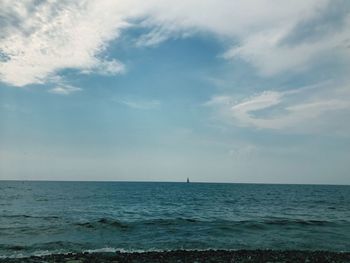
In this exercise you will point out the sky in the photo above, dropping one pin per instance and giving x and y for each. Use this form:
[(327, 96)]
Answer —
[(246, 91)]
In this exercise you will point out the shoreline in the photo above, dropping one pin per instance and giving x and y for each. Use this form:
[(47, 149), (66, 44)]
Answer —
[(191, 256)]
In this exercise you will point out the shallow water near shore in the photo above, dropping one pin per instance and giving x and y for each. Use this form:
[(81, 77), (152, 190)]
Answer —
[(57, 217)]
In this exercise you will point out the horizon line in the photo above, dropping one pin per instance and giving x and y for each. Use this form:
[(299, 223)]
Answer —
[(150, 181)]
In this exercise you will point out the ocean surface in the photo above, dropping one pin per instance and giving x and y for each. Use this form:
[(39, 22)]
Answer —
[(39, 218)]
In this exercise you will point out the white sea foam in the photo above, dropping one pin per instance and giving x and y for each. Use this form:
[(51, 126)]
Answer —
[(37, 253), (121, 250), (101, 250)]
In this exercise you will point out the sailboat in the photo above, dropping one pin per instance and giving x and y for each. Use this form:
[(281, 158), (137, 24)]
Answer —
[(188, 180)]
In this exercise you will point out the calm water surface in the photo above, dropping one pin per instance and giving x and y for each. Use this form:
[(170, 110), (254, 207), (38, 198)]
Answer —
[(58, 217)]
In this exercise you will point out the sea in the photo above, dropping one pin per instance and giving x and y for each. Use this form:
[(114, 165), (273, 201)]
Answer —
[(41, 218)]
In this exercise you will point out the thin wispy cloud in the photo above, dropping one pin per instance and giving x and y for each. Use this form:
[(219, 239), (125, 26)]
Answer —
[(14, 108), (243, 153), (64, 90), (299, 111), (139, 104)]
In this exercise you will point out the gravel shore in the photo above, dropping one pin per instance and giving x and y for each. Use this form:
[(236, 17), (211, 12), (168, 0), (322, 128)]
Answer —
[(193, 256)]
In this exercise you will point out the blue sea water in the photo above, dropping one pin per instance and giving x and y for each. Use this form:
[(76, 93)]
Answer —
[(59, 217)]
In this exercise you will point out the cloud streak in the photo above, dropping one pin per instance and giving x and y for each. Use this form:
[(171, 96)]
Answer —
[(294, 111), (64, 90), (139, 104)]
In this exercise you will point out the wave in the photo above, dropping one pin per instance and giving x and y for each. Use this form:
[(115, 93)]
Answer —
[(174, 221), (28, 216), (38, 250), (221, 224), (119, 250), (281, 222), (12, 247), (305, 222), (104, 222), (107, 222)]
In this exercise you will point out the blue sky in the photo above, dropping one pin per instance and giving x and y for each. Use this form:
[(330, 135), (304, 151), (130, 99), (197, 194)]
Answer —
[(220, 91)]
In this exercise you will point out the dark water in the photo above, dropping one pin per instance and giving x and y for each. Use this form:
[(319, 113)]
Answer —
[(51, 217)]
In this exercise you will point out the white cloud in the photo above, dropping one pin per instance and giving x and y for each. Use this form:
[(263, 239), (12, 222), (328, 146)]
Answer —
[(265, 51), (106, 68), (38, 39), (153, 38), (320, 111), (259, 30), (64, 90), (56, 35), (261, 101)]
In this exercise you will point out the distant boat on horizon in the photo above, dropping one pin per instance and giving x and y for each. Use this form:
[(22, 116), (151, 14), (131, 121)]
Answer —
[(188, 180)]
